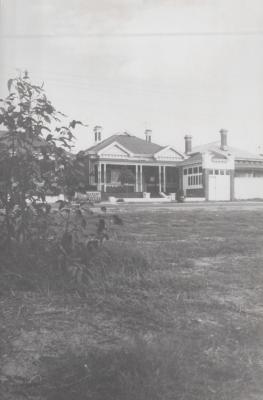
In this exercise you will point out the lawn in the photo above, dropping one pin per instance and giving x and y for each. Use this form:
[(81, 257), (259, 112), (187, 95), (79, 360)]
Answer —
[(173, 311)]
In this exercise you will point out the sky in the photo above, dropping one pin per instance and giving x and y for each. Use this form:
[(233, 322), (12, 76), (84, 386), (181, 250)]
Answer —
[(174, 66)]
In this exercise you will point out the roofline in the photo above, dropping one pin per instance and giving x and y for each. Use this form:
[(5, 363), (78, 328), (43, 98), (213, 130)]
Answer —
[(114, 143)]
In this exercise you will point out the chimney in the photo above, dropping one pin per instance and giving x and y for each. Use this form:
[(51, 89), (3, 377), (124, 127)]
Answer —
[(148, 135), (97, 134), (223, 145), (188, 144)]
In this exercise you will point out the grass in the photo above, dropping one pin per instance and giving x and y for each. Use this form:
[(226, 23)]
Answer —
[(172, 311)]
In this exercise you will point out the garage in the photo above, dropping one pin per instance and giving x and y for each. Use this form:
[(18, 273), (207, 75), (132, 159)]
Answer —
[(219, 187), (248, 188)]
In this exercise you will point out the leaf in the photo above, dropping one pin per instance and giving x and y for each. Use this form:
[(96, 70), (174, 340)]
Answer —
[(65, 128), (45, 127), (47, 119), (64, 141), (9, 84), (62, 114), (74, 123)]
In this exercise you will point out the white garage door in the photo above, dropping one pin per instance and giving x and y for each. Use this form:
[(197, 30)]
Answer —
[(248, 188), (219, 187)]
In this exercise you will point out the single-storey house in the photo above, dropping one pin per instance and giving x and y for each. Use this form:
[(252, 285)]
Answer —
[(126, 165)]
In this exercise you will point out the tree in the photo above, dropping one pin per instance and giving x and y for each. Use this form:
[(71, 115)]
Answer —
[(35, 149)]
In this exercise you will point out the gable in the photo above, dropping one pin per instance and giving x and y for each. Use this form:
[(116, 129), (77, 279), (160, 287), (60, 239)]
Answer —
[(218, 156), (114, 150), (168, 153)]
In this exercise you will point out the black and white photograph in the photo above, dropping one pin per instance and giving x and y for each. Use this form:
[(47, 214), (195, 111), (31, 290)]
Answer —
[(131, 200)]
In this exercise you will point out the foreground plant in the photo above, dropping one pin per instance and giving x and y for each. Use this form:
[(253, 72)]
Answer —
[(34, 152), (36, 161)]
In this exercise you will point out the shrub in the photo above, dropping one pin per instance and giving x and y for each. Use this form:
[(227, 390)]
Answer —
[(35, 156)]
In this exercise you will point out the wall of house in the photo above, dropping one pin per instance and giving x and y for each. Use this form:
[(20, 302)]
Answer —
[(248, 173), (193, 180), (195, 192), (246, 187), (211, 162)]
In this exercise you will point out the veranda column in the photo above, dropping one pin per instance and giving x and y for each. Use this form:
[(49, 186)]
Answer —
[(160, 178), (206, 183), (105, 177), (180, 179), (136, 178), (99, 176), (141, 189), (164, 178)]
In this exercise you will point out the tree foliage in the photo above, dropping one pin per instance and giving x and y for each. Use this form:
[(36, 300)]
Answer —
[(35, 146), (36, 161)]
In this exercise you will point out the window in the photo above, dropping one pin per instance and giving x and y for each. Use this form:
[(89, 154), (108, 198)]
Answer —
[(211, 172), (195, 177), (227, 172), (216, 172), (222, 172)]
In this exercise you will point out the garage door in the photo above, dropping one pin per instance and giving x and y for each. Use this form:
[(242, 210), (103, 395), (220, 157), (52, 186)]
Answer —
[(219, 187), (248, 188)]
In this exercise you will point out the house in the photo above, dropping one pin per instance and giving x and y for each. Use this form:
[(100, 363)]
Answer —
[(152, 168), (126, 165), (217, 171)]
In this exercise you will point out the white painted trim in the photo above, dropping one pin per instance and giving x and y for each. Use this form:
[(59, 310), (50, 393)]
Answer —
[(115, 143), (137, 162), (158, 154)]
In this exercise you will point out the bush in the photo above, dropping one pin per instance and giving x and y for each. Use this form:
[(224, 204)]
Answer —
[(64, 248), (35, 156)]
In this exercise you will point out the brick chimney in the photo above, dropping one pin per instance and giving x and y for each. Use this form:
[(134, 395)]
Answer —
[(223, 144), (148, 135), (97, 134), (188, 144)]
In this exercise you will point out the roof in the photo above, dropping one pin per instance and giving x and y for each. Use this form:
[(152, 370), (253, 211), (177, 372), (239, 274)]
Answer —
[(195, 158), (132, 143), (238, 154)]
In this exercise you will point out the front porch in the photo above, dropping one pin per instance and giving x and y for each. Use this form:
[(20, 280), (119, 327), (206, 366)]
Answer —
[(126, 180)]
